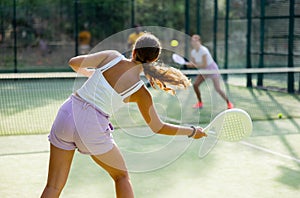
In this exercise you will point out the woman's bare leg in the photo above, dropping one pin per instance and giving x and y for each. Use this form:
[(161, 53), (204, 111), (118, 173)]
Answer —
[(114, 164), (217, 86), (59, 168), (199, 79)]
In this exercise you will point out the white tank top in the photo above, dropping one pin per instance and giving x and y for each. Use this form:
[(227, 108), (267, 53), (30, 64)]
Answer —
[(197, 55), (98, 92)]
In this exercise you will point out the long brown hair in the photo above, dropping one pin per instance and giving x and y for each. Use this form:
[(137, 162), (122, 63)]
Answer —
[(147, 49)]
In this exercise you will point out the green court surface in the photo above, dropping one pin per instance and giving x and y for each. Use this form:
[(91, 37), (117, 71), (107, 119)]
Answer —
[(266, 166)]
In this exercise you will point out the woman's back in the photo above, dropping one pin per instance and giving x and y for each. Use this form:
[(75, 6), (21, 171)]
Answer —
[(112, 82)]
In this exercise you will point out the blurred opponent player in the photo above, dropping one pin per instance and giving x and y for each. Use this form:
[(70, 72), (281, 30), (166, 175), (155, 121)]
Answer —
[(202, 59)]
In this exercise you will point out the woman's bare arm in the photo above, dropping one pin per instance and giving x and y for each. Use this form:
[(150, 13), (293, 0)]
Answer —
[(202, 65), (80, 64), (145, 103)]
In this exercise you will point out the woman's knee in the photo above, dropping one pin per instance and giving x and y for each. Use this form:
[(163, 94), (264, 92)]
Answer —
[(196, 85), (120, 175), (51, 191), (218, 90)]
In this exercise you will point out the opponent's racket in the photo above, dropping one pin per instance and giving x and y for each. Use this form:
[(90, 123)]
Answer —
[(230, 125), (178, 59)]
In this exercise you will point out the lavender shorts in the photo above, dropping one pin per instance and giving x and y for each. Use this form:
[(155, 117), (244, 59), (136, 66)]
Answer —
[(80, 125), (212, 66)]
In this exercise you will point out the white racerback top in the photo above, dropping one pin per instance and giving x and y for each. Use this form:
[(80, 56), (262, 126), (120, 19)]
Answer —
[(98, 92), (197, 55)]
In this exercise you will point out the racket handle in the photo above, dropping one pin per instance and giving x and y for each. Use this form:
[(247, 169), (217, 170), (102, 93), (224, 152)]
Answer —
[(208, 131)]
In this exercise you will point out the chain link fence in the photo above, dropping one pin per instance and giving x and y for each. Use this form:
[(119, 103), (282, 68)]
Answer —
[(240, 33)]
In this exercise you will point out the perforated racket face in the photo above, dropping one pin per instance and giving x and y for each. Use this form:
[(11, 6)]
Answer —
[(178, 59), (231, 125)]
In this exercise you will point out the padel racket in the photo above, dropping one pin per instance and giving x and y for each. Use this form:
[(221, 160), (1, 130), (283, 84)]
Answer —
[(178, 59), (231, 125)]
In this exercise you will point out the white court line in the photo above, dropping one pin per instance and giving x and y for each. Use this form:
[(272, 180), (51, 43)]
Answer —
[(270, 151)]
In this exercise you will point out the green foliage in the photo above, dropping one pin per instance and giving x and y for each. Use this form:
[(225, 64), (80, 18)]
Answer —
[(104, 18), (55, 19)]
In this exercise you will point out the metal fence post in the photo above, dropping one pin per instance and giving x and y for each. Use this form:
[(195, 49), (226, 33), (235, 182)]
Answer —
[(226, 37), (198, 13), (76, 26), (187, 28), (215, 31), (15, 37), (249, 31), (132, 13), (262, 42), (290, 83)]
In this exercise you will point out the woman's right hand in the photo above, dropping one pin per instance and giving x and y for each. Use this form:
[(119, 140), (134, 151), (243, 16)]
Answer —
[(190, 64), (199, 133)]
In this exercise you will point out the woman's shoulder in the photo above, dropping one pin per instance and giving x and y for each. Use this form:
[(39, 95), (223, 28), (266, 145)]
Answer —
[(108, 56), (203, 47), (142, 95), (112, 54)]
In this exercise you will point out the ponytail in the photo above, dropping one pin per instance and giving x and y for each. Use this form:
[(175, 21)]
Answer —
[(147, 49), (165, 77)]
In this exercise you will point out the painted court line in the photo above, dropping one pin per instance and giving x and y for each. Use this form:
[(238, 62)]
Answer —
[(252, 146), (24, 153), (255, 146), (270, 151)]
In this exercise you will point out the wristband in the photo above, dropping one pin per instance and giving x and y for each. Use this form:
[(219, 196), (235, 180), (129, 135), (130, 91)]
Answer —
[(193, 133)]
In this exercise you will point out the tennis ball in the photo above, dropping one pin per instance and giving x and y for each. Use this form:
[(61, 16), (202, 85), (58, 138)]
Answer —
[(174, 43), (279, 115)]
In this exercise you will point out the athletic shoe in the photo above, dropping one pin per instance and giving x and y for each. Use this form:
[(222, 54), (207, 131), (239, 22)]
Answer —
[(230, 105), (198, 105)]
